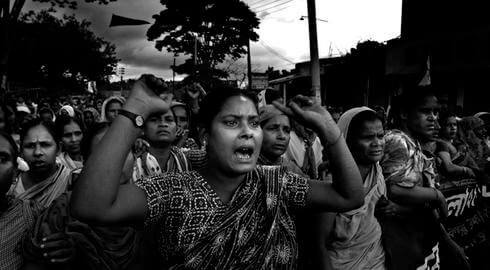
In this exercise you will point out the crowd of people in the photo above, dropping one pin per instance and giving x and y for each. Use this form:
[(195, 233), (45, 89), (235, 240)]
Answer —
[(215, 181)]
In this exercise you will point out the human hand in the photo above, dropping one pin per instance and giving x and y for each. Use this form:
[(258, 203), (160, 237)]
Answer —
[(140, 146), (308, 112), (195, 90), (58, 248), (181, 135), (145, 97), (469, 172), (385, 207)]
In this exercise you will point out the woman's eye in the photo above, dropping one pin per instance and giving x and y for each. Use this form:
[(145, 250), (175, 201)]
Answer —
[(231, 123), (254, 123)]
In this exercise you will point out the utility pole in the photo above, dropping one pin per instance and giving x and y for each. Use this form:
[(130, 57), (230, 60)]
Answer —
[(173, 78), (249, 66), (314, 60), (195, 57), (122, 70)]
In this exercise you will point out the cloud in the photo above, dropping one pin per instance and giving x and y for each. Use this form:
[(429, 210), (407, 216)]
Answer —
[(349, 22)]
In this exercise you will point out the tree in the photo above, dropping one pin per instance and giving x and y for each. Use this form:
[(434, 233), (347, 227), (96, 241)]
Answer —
[(9, 15), (220, 28), (59, 52)]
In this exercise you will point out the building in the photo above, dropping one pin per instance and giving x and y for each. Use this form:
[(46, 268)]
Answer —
[(452, 40)]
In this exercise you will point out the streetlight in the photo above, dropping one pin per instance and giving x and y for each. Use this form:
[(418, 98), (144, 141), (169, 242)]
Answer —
[(302, 18)]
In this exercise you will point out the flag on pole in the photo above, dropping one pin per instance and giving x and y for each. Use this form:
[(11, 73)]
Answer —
[(426, 79), (117, 20)]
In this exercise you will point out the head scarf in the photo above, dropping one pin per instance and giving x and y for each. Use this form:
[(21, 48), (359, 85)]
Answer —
[(346, 118), (47, 109), (103, 116), (471, 122), (94, 112), (481, 114), (267, 112), (23, 108), (69, 109)]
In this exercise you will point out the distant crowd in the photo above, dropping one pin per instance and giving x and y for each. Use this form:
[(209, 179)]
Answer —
[(219, 179)]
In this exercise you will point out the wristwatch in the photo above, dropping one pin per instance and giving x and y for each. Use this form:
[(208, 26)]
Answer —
[(137, 120)]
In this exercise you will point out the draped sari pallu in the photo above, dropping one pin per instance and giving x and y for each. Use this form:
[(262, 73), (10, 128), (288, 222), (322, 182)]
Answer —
[(245, 240), (255, 231), (98, 248), (48, 190)]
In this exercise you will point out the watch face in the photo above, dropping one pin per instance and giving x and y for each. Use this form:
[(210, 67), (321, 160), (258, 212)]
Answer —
[(139, 121)]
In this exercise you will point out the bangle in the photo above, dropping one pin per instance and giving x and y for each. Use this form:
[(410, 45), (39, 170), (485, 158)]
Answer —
[(335, 141)]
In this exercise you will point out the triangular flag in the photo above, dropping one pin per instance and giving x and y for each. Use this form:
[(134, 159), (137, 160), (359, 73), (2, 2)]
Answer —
[(117, 20), (426, 79)]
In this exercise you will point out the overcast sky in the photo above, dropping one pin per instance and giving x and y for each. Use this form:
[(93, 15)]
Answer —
[(283, 36)]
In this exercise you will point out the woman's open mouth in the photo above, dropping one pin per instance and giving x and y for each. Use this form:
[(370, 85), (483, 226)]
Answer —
[(244, 153)]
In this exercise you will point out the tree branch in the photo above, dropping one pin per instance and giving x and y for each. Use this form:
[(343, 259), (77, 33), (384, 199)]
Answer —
[(16, 9)]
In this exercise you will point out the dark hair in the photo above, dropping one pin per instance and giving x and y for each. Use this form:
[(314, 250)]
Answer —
[(11, 141), (186, 108), (63, 120), (213, 102), (406, 102), (89, 135), (45, 110), (50, 127), (356, 124), (444, 115)]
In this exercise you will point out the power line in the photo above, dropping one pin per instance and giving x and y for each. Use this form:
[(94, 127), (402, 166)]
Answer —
[(274, 11), (256, 2), (278, 5), (270, 49), (266, 4)]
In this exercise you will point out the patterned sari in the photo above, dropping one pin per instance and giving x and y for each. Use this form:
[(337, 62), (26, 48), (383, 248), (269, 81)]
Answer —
[(411, 239), (199, 231)]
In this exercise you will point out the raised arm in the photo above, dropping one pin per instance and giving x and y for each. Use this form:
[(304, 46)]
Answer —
[(97, 196), (346, 192)]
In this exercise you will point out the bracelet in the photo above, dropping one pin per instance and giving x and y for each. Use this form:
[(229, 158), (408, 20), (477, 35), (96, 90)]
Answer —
[(335, 141)]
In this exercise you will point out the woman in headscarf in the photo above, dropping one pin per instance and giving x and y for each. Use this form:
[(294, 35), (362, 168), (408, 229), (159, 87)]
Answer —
[(276, 128), (90, 117), (67, 110), (111, 107), (353, 239)]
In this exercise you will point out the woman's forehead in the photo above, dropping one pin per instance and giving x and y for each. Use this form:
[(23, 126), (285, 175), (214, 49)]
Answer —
[(39, 132), (238, 105)]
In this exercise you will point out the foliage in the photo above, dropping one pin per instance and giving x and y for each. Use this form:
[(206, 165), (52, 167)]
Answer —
[(71, 3), (222, 29), (53, 51)]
